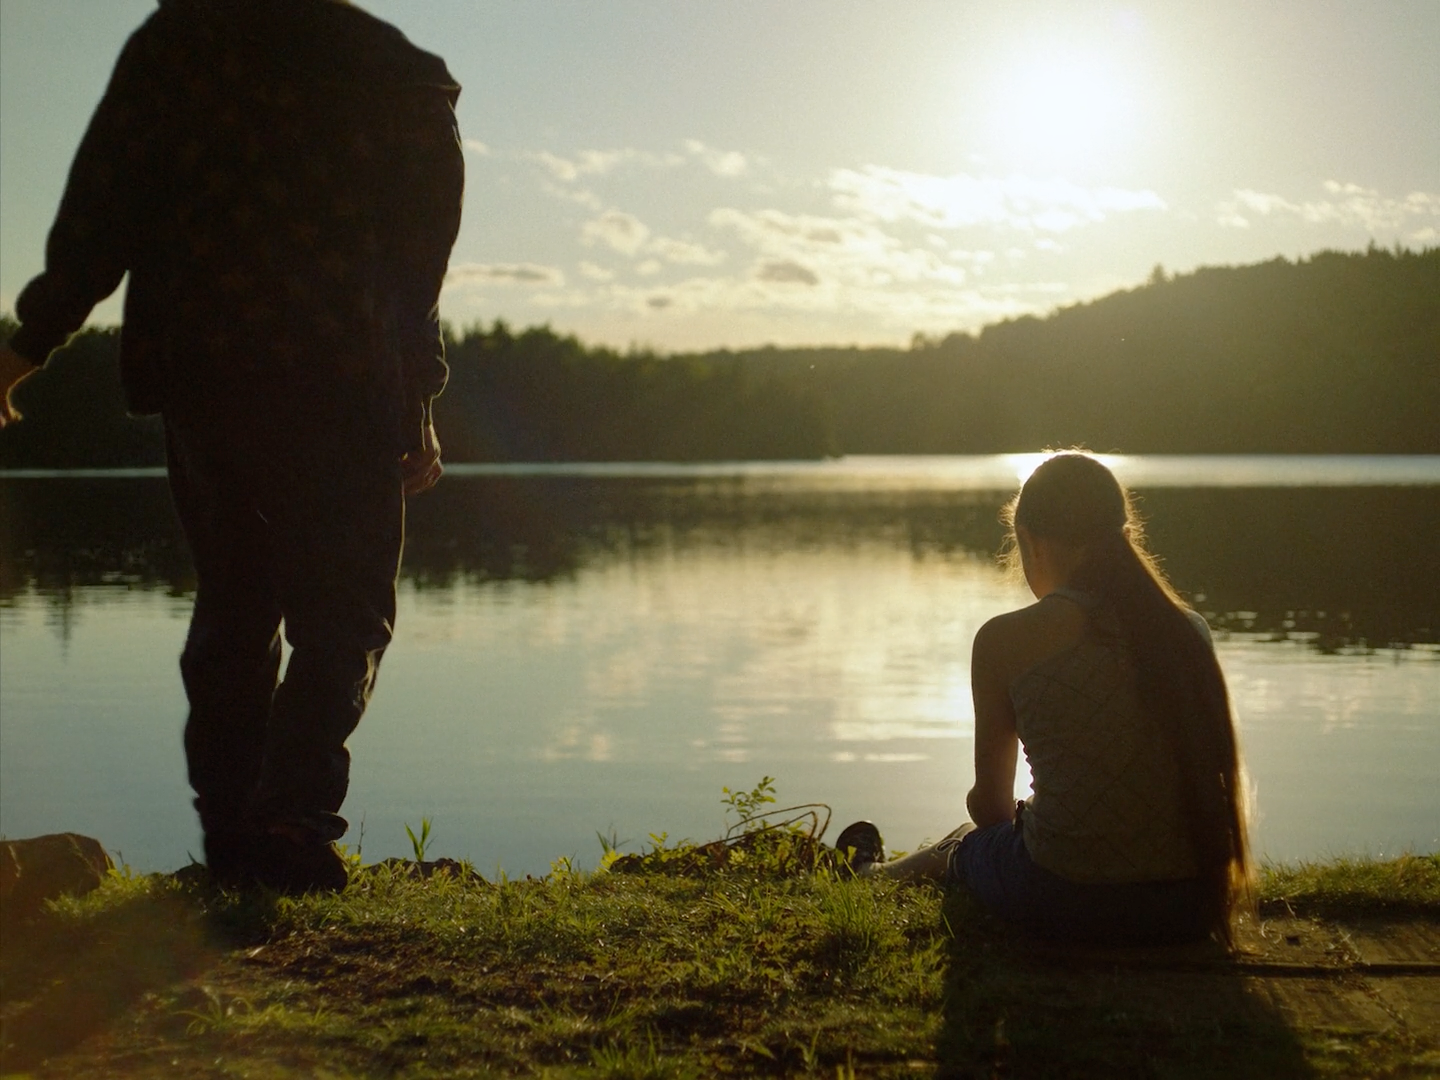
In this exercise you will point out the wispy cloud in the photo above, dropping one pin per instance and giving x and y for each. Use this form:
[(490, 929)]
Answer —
[(504, 274), (595, 273), (848, 251), (623, 232), (1343, 204), (567, 169), (628, 235), (584, 196), (869, 246), (786, 271), (961, 201), (780, 288), (720, 162), (684, 252), (601, 162)]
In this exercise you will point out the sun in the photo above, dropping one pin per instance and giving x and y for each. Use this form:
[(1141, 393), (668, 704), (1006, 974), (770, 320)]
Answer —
[(1059, 110)]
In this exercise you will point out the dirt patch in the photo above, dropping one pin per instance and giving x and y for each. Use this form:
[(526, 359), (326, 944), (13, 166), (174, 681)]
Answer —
[(1368, 974)]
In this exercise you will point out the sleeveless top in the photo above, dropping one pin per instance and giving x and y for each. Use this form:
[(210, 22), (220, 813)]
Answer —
[(1106, 802)]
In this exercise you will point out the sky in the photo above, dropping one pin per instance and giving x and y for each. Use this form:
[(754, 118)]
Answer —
[(693, 174)]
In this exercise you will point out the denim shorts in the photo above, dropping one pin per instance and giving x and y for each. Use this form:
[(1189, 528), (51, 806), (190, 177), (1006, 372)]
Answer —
[(995, 865)]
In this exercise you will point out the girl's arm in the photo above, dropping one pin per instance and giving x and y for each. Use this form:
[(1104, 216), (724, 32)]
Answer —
[(992, 799)]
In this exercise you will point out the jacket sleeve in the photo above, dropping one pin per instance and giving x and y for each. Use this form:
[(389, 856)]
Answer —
[(429, 188), (101, 212)]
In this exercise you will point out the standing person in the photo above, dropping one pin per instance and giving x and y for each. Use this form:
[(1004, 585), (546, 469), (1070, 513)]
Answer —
[(281, 180), (1136, 830)]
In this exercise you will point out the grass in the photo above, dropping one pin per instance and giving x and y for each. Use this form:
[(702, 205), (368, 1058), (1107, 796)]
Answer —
[(686, 966), (1409, 884)]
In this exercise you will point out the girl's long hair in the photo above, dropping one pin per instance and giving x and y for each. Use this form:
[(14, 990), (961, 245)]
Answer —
[(1074, 499)]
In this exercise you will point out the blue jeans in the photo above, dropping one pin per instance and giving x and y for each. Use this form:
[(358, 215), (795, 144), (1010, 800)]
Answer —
[(995, 865)]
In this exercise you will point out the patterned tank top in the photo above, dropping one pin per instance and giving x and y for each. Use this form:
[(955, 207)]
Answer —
[(1106, 802)]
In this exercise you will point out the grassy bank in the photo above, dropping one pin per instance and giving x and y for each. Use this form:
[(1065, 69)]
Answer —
[(690, 966)]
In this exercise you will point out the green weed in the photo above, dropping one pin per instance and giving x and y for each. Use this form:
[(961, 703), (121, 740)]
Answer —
[(419, 843), (639, 1061), (758, 841)]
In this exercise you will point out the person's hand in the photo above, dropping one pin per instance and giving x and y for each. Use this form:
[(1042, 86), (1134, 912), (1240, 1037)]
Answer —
[(14, 369), (420, 469)]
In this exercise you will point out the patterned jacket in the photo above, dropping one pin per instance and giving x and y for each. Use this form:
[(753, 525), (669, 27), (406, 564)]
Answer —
[(282, 181)]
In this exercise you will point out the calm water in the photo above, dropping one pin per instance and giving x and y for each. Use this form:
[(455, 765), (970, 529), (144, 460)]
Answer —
[(602, 649)]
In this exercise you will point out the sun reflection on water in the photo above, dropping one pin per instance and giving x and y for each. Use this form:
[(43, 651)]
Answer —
[(1025, 464)]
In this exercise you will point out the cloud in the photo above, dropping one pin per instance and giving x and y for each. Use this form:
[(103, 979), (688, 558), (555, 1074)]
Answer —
[(869, 249), (684, 252), (962, 201), (821, 269), (1344, 205), (786, 272), (629, 235), (558, 167), (903, 310), (847, 251), (623, 232), (727, 163), (584, 196), (504, 274), (475, 146), (600, 162), (596, 163)]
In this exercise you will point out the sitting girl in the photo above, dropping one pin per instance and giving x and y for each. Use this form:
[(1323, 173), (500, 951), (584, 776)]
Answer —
[(1135, 833)]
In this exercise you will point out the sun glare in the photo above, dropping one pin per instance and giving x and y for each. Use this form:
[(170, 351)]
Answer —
[(1025, 464), (1058, 111)]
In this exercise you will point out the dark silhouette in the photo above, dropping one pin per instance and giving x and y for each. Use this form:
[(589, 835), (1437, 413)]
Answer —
[(281, 181)]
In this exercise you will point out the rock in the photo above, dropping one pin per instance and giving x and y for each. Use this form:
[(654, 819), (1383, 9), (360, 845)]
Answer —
[(45, 867)]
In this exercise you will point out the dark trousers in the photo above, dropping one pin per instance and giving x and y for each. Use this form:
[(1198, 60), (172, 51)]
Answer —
[(302, 533), (995, 865)]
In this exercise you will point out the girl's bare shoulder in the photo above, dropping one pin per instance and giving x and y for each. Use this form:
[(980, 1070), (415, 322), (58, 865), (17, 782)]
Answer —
[(1013, 643)]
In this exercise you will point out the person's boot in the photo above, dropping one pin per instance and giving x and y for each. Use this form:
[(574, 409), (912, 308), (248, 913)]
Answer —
[(288, 858), (229, 855), (293, 859)]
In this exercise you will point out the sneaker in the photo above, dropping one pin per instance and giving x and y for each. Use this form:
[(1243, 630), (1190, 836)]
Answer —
[(860, 846)]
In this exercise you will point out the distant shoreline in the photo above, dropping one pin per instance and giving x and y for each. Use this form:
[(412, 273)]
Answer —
[(959, 471)]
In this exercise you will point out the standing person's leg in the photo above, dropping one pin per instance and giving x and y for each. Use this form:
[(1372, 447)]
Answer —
[(231, 661), (333, 508), (338, 532), (283, 523)]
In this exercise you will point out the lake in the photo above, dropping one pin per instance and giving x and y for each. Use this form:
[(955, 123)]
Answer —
[(603, 648)]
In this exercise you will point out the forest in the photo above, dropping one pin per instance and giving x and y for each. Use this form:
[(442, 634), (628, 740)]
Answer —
[(1335, 353)]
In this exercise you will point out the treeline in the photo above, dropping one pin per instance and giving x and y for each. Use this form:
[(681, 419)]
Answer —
[(1337, 353), (538, 396)]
